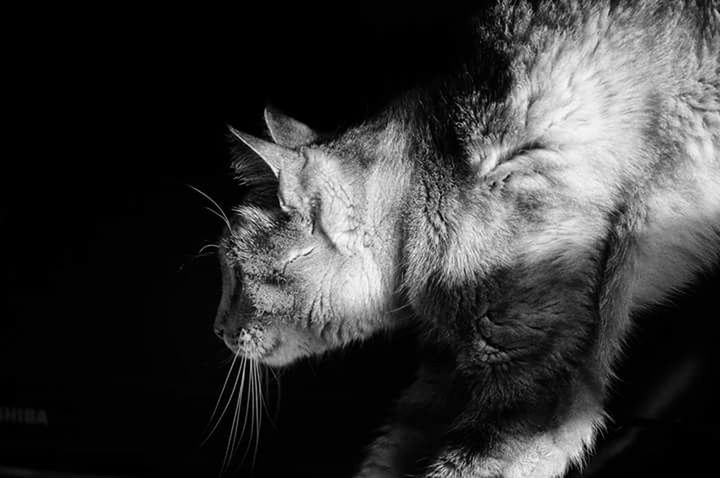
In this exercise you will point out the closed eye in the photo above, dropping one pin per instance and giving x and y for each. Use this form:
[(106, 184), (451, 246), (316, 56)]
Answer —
[(316, 226), (314, 214), (519, 151)]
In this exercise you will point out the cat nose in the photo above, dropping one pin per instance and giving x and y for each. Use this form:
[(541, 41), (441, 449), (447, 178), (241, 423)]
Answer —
[(228, 326), (228, 337)]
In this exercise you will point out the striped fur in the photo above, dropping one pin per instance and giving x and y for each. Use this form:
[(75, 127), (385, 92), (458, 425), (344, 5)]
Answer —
[(562, 175)]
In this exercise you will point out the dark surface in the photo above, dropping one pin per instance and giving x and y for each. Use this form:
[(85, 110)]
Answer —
[(107, 308)]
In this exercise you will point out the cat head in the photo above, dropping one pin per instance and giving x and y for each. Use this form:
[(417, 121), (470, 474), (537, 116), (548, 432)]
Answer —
[(310, 260)]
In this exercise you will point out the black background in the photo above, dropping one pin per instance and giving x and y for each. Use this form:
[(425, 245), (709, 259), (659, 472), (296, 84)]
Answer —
[(107, 307)]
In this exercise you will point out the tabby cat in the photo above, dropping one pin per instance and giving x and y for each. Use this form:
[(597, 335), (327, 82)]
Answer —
[(517, 211)]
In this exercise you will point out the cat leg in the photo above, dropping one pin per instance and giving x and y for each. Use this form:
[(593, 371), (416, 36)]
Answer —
[(391, 453), (542, 443), (421, 414)]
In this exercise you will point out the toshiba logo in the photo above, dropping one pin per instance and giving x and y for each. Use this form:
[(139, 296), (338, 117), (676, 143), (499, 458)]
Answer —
[(23, 416)]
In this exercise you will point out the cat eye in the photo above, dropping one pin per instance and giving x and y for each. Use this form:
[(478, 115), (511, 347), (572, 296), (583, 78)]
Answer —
[(524, 148), (314, 215), (309, 219), (315, 223)]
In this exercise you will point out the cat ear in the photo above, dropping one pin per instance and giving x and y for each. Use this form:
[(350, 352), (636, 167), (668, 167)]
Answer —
[(276, 156), (287, 131), (287, 165)]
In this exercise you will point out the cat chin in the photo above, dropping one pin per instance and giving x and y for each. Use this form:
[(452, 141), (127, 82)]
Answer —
[(290, 347), (283, 356), (278, 359)]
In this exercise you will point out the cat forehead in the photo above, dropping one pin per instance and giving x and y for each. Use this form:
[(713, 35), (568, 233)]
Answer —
[(338, 158)]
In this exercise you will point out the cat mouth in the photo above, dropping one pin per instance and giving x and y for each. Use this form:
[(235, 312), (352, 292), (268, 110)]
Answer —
[(259, 350), (268, 354), (252, 343)]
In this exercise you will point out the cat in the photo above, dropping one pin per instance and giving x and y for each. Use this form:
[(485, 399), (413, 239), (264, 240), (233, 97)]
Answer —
[(517, 211)]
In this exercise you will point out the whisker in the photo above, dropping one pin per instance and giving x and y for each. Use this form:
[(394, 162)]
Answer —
[(222, 391), (222, 414), (226, 360), (204, 254), (258, 412), (278, 392), (244, 427), (191, 258), (252, 386), (233, 428), (264, 394), (266, 391), (206, 246), (221, 214), (249, 414)]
